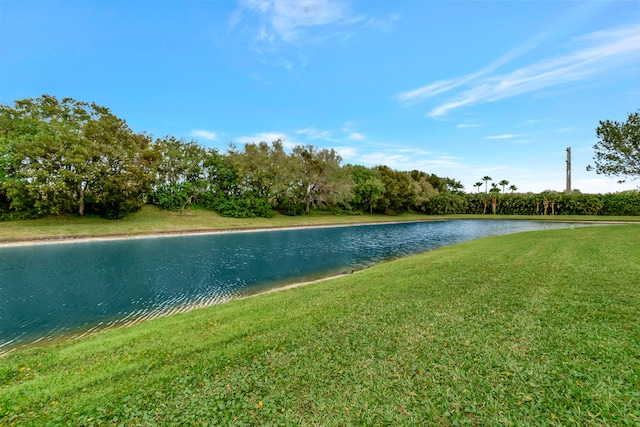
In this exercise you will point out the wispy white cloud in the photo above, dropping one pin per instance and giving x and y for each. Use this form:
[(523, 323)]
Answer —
[(505, 136), (410, 159), (385, 25), (204, 134), (594, 57), (351, 134), (347, 153), (468, 125), (356, 136), (423, 93), (313, 134), (344, 136), (286, 19)]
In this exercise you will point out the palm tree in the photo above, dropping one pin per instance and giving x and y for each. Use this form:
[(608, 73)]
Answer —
[(478, 185), (494, 188), (512, 188), (486, 180), (454, 186), (504, 183)]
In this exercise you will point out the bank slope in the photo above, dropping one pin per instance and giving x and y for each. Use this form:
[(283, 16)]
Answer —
[(533, 328)]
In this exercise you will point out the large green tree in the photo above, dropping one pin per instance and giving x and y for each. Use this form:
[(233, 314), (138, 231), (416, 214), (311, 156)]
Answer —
[(368, 187), (399, 195), (60, 155), (422, 188), (617, 151), (179, 161), (265, 169), (321, 181)]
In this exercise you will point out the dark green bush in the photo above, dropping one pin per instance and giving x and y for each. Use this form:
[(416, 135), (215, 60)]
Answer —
[(625, 203), (290, 208), (446, 204)]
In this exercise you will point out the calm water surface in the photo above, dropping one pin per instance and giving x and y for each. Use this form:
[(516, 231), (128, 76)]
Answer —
[(54, 290)]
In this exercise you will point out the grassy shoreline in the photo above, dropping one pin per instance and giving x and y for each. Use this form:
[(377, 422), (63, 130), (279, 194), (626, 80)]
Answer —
[(536, 328), (153, 221)]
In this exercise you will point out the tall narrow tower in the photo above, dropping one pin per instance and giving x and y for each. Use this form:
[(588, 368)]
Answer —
[(568, 189)]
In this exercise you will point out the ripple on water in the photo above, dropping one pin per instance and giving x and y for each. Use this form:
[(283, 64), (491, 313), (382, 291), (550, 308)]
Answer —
[(53, 291)]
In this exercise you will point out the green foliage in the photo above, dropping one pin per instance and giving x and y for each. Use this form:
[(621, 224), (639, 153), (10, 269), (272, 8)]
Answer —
[(617, 152), (249, 205), (368, 187), (265, 170), (446, 204), (624, 203), (516, 204), (580, 204), (319, 179), (62, 156), (454, 186), (174, 197), (66, 156), (425, 186), (399, 195), (290, 208), (486, 180), (546, 203)]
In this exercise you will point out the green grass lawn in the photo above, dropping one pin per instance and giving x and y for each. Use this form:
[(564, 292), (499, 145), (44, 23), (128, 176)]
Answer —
[(537, 328), (150, 220)]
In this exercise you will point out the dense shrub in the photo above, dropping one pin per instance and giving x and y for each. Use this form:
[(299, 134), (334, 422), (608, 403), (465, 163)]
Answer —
[(235, 206), (446, 204), (174, 197), (625, 203), (290, 208), (580, 204)]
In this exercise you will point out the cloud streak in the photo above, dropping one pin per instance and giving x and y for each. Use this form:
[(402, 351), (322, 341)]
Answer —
[(204, 134), (286, 19), (313, 134), (594, 57), (505, 136)]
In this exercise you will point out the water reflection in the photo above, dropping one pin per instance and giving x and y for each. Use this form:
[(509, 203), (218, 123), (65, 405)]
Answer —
[(59, 289)]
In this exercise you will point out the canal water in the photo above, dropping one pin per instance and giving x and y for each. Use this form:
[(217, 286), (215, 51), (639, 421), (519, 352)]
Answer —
[(58, 290)]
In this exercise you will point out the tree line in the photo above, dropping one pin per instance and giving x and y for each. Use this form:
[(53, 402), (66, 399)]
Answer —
[(68, 156), (545, 203)]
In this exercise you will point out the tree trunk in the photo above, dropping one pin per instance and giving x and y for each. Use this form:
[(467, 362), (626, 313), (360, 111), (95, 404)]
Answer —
[(80, 200)]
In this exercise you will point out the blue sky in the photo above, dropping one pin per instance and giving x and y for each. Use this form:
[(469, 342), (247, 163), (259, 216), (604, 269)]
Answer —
[(461, 89)]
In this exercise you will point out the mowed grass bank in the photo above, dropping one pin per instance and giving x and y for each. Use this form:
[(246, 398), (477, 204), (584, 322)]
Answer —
[(152, 220), (537, 328)]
